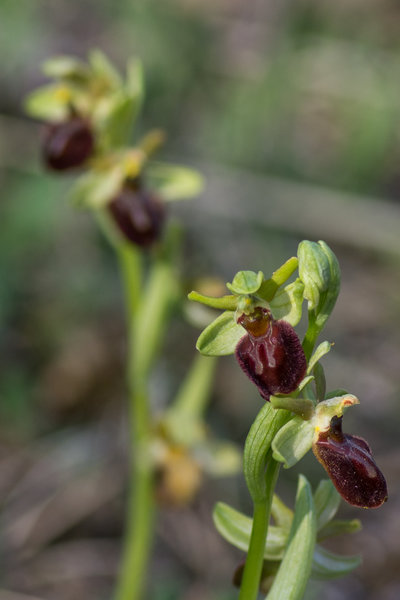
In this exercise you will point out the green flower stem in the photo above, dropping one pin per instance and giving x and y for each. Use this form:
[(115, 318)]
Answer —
[(148, 312), (249, 588), (141, 505), (130, 261)]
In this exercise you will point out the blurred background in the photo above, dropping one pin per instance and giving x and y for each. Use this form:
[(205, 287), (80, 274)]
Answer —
[(292, 112)]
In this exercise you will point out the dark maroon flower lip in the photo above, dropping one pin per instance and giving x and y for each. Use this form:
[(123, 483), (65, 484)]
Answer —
[(349, 463), (270, 354), (138, 213), (68, 144)]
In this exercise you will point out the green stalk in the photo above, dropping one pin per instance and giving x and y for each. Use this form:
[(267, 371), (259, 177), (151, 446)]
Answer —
[(249, 588), (141, 506), (147, 311)]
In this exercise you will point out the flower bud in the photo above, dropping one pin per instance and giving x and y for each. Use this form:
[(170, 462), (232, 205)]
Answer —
[(138, 213), (320, 273), (349, 463), (270, 353), (67, 144)]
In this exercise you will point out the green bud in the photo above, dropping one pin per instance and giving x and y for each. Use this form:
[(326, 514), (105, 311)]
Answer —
[(320, 273)]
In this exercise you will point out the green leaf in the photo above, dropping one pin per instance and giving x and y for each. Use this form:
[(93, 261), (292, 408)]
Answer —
[(236, 528), (321, 350), (67, 68), (256, 450), (246, 282), (282, 515), (293, 441), (50, 103), (221, 337), (174, 182), (327, 565), (96, 189), (294, 572), (287, 303), (339, 527), (327, 501)]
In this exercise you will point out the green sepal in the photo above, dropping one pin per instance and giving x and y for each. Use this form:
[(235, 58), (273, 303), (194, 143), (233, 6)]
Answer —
[(291, 580), (327, 501), (246, 282), (113, 118), (328, 565), (174, 182), (47, 103), (96, 189), (257, 448), (339, 527), (293, 441), (236, 528), (287, 303), (221, 337), (320, 351), (67, 68), (103, 69)]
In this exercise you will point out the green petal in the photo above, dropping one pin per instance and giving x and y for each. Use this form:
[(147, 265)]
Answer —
[(293, 441), (221, 337), (48, 103), (287, 303), (246, 282)]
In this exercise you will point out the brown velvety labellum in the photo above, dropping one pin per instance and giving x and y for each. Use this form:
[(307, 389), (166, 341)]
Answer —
[(138, 213), (349, 463), (274, 360), (68, 144)]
